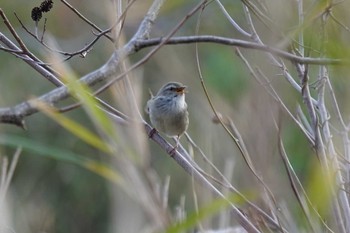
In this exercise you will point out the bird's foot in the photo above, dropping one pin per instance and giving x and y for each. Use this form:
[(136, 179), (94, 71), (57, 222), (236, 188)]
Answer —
[(152, 132), (172, 151)]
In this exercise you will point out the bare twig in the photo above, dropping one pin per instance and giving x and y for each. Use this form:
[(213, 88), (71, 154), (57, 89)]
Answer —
[(186, 165), (239, 43), (15, 115), (142, 36), (273, 93), (86, 20), (331, 153), (13, 32), (35, 63), (295, 183), (68, 55), (83, 51), (243, 152), (233, 23)]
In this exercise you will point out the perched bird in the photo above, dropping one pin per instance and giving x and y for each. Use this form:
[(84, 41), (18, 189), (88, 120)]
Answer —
[(168, 110)]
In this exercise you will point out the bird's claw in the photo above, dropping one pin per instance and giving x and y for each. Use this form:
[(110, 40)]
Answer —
[(152, 132), (172, 151)]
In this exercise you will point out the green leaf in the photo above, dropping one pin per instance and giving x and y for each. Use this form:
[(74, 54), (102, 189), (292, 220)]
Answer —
[(62, 155), (83, 93), (214, 207), (73, 127)]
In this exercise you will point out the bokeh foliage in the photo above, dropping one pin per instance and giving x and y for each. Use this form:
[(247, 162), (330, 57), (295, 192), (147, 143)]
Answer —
[(53, 194)]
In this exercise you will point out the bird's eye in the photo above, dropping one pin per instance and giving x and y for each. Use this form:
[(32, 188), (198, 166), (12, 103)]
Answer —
[(172, 88)]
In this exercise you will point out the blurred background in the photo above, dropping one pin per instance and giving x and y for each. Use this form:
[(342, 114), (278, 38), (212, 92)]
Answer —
[(49, 194)]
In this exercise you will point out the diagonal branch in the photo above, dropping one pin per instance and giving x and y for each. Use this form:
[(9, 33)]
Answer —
[(86, 20), (16, 114)]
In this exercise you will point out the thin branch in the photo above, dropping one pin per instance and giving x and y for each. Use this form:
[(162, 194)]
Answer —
[(234, 24), (13, 32), (86, 20), (24, 50), (35, 63), (331, 152), (280, 64), (141, 37), (68, 55), (188, 167), (244, 153), (87, 48), (338, 22), (301, 22), (140, 44), (107, 71), (273, 93), (224, 182), (294, 181), (15, 115), (15, 52)]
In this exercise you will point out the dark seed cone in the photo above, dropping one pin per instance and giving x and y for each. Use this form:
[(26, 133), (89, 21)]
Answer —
[(46, 5), (36, 14)]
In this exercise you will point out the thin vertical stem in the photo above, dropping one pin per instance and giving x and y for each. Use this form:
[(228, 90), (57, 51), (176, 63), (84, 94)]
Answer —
[(301, 22)]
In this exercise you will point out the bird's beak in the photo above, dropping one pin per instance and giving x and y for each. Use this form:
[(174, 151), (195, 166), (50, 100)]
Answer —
[(181, 90)]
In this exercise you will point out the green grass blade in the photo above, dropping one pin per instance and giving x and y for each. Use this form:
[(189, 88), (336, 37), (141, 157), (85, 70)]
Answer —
[(213, 208), (73, 127), (62, 155), (83, 93)]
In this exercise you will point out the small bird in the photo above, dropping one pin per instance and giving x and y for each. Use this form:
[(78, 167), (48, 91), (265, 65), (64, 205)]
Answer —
[(168, 111)]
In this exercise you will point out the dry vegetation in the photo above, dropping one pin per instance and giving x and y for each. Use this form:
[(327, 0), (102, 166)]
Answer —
[(267, 149)]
